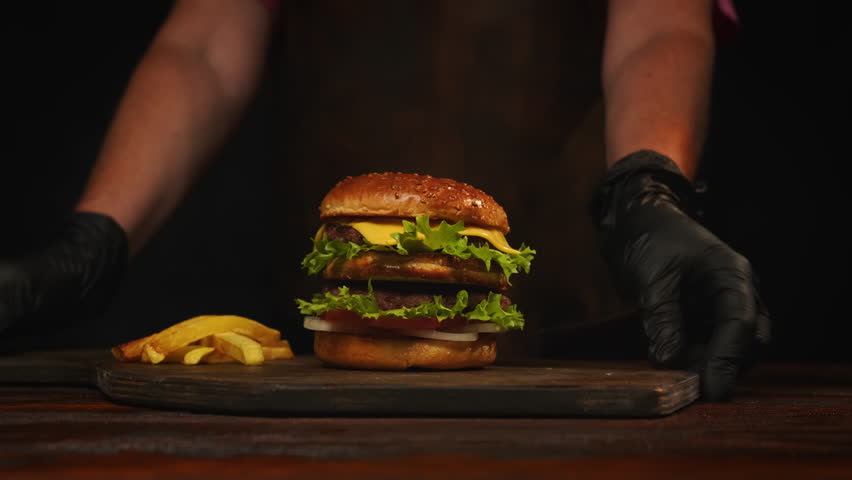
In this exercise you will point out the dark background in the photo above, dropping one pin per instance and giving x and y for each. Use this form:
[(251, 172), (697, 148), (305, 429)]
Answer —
[(501, 94)]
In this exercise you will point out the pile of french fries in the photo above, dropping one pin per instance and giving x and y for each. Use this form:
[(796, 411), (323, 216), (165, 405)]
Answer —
[(208, 339)]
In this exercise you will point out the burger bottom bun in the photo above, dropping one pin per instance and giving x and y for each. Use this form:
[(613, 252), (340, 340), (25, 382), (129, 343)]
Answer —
[(399, 353)]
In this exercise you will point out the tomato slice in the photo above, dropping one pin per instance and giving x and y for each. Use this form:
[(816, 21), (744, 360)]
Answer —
[(396, 322), (351, 318), (347, 317)]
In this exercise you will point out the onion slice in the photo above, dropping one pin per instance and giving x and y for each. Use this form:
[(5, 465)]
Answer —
[(437, 334), (320, 325)]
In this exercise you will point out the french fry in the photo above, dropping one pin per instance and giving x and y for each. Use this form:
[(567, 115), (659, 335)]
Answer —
[(131, 351), (277, 351), (281, 351), (159, 345), (208, 339), (240, 347), (188, 355), (150, 355), (270, 340), (218, 357)]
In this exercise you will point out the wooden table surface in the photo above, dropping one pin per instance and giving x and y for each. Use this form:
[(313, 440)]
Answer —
[(787, 421)]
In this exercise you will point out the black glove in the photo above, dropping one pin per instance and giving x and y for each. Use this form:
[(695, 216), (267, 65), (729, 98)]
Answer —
[(697, 297), (75, 272)]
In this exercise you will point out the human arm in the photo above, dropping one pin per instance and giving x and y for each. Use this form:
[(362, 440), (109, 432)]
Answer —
[(657, 68), (186, 94), (698, 297)]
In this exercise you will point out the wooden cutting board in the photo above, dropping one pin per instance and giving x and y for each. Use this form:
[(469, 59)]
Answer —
[(304, 387)]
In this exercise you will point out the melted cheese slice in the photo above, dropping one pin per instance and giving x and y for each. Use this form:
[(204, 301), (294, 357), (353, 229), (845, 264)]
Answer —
[(378, 232)]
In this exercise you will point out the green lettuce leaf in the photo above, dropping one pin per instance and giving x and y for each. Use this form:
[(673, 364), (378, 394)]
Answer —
[(326, 250), (365, 305), (445, 239)]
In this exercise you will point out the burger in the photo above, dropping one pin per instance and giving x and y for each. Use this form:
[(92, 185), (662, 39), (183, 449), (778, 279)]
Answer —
[(415, 270)]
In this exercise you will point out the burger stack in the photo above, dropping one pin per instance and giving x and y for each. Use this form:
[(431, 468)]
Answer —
[(415, 272)]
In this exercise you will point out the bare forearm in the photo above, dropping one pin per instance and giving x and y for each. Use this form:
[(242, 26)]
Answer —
[(167, 125), (656, 80), (185, 96)]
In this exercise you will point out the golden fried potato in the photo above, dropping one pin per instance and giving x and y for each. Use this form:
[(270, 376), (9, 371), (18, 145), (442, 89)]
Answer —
[(188, 355), (157, 346), (242, 348)]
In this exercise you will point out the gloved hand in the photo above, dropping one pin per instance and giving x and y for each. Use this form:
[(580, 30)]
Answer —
[(698, 298), (77, 271)]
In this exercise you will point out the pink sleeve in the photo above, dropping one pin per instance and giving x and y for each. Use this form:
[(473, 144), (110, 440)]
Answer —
[(726, 21)]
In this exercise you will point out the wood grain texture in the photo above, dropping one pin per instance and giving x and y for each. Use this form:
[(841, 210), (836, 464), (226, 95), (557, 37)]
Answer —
[(786, 421), (304, 387)]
